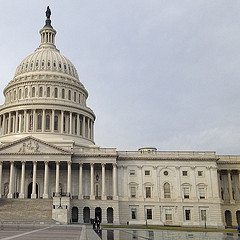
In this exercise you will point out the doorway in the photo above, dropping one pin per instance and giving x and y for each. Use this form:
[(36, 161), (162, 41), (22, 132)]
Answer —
[(30, 190), (98, 213), (74, 214), (86, 215)]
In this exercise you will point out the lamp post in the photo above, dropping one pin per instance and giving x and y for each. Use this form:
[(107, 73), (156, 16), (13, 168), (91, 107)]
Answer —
[(60, 198)]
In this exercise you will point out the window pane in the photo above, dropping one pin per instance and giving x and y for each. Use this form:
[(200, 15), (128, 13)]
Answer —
[(167, 193), (188, 215), (55, 123), (47, 122), (149, 213), (39, 123), (148, 192), (133, 192)]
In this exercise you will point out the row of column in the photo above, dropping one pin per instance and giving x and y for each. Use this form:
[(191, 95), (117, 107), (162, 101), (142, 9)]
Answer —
[(27, 121), (229, 176), (69, 178)]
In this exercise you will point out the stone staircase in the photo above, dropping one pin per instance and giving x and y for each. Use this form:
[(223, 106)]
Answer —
[(33, 211)]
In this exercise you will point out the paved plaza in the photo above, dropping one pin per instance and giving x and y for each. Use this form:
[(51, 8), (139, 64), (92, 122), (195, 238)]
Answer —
[(38, 232)]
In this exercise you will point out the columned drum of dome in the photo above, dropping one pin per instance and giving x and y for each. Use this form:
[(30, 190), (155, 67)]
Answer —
[(46, 98)]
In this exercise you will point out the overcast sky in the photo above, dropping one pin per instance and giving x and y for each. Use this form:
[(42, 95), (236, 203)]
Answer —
[(159, 73)]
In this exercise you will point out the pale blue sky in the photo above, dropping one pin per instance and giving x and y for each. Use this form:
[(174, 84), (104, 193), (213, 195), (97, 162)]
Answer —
[(159, 73)]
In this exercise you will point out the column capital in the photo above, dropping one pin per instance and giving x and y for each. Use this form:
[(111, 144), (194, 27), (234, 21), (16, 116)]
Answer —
[(80, 164), (103, 164), (229, 170), (92, 164), (57, 162), (69, 162), (114, 164), (23, 162), (1, 162), (34, 162), (46, 162)]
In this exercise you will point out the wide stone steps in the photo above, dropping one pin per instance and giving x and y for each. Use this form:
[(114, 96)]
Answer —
[(26, 210)]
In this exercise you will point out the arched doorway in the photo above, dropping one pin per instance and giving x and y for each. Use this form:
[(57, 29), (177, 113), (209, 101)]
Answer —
[(228, 218), (238, 217), (110, 215), (86, 215), (30, 190), (98, 213), (74, 214)]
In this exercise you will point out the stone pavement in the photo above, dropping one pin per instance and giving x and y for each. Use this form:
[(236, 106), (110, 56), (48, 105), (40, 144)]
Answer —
[(53, 232)]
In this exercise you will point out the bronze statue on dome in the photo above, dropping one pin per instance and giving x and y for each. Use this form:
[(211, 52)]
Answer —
[(48, 12)]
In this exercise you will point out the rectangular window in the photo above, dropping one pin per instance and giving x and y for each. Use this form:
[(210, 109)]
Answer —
[(187, 215), (149, 213), (134, 213), (203, 215), (184, 173), (200, 173), (186, 192), (148, 192), (132, 172), (75, 96), (133, 192), (201, 193), (147, 172), (168, 214)]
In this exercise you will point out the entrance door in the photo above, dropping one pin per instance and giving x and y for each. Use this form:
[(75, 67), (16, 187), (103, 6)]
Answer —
[(74, 214), (86, 215), (110, 215), (98, 213), (228, 218), (30, 190)]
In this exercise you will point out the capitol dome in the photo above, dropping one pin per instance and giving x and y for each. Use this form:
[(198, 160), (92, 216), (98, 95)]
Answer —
[(46, 99)]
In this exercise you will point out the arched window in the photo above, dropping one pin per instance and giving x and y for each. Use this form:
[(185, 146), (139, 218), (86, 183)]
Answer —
[(64, 124), (40, 92), (39, 122), (56, 123), (75, 125), (63, 93), (26, 92), (48, 91), (55, 92), (20, 93), (15, 95), (33, 92), (75, 96), (167, 191), (47, 122), (69, 94)]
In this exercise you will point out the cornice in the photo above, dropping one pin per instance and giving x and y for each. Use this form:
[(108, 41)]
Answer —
[(157, 158)]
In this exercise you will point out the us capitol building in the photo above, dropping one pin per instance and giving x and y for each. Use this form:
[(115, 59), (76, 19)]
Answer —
[(51, 169)]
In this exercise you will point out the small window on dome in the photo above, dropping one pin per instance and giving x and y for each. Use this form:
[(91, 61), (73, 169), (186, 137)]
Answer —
[(60, 65), (33, 92), (26, 65), (69, 94), (48, 64), (48, 91), (54, 64), (55, 92), (37, 64), (31, 65), (42, 63), (69, 68), (20, 94), (40, 92), (63, 93), (22, 67), (75, 96), (65, 67)]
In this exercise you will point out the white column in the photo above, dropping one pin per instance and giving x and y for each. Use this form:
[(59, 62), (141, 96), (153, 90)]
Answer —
[(10, 192), (84, 127), (34, 118), (230, 187), (16, 122), (103, 182), (69, 182), (34, 195), (0, 179), (57, 178), (25, 121), (78, 125), (62, 117), (9, 122), (80, 193), (88, 128), (92, 196), (20, 123), (43, 120), (70, 125), (53, 115), (3, 125), (22, 190), (114, 180), (46, 180)]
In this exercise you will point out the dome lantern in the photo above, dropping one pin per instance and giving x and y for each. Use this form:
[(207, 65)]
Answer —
[(48, 33)]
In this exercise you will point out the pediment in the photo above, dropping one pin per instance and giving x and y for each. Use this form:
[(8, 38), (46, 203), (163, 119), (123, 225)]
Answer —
[(31, 145)]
